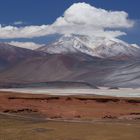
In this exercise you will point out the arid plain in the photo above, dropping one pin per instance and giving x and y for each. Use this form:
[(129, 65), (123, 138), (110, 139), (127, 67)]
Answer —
[(72, 117)]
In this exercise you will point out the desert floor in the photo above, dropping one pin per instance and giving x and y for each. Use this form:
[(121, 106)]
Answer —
[(75, 117), (14, 128)]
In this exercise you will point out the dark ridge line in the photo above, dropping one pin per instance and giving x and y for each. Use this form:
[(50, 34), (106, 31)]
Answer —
[(100, 100)]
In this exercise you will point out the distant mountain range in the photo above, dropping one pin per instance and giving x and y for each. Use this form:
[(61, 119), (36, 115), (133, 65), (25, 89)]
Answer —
[(85, 60)]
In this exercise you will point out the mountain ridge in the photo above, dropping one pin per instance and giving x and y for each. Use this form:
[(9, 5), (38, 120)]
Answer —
[(95, 46)]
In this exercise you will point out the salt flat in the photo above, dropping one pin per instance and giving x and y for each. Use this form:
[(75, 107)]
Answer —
[(123, 92)]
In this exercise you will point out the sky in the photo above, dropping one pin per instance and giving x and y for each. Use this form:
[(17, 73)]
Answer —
[(43, 18)]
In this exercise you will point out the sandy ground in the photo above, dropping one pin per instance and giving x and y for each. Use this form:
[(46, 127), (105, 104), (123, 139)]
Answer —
[(122, 92), (14, 128)]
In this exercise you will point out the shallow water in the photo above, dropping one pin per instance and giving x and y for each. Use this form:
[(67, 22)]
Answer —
[(124, 92)]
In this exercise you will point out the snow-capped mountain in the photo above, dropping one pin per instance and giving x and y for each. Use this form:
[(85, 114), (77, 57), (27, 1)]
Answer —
[(113, 47), (69, 62), (68, 44), (95, 46)]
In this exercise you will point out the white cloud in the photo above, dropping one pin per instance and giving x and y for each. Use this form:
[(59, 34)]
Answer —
[(24, 32), (18, 23), (80, 18), (27, 45), (85, 14)]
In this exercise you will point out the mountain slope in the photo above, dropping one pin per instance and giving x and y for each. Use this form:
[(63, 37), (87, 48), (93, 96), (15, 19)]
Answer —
[(10, 55), (60, 67), (127, 75), (74, 68)]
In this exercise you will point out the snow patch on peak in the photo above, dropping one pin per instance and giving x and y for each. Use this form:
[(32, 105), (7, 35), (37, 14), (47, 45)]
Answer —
[(135, 45), (68, 44)]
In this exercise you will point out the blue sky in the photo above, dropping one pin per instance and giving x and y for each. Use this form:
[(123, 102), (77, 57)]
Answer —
[(38, 12)]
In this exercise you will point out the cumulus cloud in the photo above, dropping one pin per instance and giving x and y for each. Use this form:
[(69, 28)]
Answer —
[(27, 45), (85, 14), (80, 18)]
